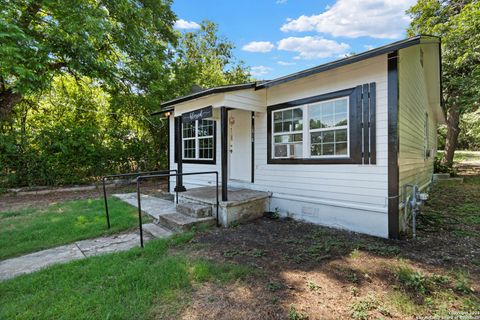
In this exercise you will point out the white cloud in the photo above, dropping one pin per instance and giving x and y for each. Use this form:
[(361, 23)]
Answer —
[(184, 24), (312, 47), (284, 63), (258, 46), (260, 71), (353, 19), (369, 47), (281, 1)]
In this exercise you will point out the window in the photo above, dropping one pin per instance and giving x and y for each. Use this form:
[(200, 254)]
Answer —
[(426, 142), (288, 133), (326, 130), (198, 140), (332, 128)]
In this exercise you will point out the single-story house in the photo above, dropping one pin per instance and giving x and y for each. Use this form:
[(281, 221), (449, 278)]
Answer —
[(332, 145)]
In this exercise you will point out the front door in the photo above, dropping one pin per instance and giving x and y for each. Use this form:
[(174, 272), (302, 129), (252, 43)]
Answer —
[(240, 145)]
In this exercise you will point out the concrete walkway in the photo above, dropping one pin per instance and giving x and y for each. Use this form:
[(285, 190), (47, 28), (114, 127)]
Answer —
[(153, 206), (78, 250)]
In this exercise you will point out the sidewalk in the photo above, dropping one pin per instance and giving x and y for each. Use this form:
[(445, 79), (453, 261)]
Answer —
[(78, 250)]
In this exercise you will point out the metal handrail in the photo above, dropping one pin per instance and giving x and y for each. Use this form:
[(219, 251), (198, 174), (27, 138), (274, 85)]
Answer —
[(140, 178), (130, 174)]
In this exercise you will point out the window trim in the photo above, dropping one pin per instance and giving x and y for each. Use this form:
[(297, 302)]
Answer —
[(197, 144), (354, 141)]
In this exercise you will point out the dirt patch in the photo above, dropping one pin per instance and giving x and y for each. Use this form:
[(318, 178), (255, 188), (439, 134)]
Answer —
[(308, 271), (304, 269), (12, 202)]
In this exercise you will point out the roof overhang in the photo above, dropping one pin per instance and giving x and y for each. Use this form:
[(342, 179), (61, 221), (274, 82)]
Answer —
[(169, 105), (351, 59)]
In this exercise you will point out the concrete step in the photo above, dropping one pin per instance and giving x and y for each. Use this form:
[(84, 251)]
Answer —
[(181, 222), (194, 209), (156, 230)]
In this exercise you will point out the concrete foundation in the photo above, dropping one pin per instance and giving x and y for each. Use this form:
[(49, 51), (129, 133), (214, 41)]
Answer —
[(242, 205)]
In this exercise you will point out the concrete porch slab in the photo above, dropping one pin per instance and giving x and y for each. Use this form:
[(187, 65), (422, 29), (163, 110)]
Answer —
[(242, 205), (236, 196)]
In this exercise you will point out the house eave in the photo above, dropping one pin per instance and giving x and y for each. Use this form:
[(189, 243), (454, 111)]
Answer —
[(352, 59), (169, 105), (392, 47)]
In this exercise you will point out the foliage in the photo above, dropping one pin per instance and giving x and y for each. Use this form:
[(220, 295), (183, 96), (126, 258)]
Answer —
[(469, 137), (34, 229), (122, 43), (457, 22), (205, 59), (440, 167), (71, 136), (83, 127)]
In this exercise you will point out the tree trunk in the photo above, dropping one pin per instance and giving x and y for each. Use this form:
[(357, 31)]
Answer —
[(8, 100), (453, 121)]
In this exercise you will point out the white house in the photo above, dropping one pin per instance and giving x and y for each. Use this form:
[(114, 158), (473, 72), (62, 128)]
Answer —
[(333, 145)]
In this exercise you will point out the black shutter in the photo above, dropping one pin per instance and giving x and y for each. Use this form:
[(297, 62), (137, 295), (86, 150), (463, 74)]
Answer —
[(365, 115)]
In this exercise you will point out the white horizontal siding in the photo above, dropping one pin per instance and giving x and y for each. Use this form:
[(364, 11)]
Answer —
[(346, 185), (413, 104)]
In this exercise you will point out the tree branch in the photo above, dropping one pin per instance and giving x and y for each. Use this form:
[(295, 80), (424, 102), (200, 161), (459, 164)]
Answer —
[(30, 13)]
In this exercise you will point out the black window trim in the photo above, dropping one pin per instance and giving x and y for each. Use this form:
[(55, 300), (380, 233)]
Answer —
[(202, 161), (354, 139)]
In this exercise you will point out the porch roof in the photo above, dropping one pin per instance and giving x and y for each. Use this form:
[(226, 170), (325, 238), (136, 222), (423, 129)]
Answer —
[(168, 105)]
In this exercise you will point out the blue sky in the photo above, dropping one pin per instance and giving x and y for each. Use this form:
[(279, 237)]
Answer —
[(278, 37)]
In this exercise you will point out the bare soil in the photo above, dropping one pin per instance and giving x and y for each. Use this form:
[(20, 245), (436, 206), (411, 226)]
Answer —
[(305, 271), (13, 201)]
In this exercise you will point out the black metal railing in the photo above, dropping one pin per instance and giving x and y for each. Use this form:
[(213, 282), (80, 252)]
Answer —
[(141, 178), (125, 175)]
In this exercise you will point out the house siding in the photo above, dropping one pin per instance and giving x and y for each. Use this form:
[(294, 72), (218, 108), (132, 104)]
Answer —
[(414, 167), (339, 195), (348, 196)]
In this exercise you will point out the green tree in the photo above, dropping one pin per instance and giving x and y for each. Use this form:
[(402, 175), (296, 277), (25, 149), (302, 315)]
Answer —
[(205, 59), (457, 22), (122, 43), (78, 128)]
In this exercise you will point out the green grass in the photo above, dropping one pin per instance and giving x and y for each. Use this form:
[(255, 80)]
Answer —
[(136, 284), (465, 155), (34, 229)]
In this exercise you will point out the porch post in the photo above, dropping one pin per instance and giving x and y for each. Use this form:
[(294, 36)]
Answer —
[(224, 150), (178, 143)]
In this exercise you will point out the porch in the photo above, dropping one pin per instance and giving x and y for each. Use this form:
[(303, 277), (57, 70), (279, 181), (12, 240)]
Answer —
[(214, 130), (198, 207)]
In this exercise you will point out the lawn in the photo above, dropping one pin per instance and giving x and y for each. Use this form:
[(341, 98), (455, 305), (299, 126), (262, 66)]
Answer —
[(32, 229), (274, 269), (136, 284), (465, 155)]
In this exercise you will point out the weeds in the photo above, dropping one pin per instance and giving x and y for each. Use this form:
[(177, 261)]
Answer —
[(232, 253), (274, 286), (293, 314), (361, 308), (258, 253), (313, 286)]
